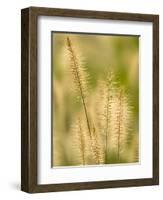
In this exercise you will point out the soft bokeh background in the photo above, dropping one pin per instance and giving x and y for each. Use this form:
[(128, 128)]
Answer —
[(10, 179), (101, 52)]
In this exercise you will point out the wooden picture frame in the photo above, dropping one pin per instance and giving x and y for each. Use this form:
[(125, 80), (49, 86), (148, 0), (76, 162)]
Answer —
[(29, 110)]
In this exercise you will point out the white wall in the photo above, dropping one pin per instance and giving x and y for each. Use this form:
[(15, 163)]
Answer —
[(10, 97)]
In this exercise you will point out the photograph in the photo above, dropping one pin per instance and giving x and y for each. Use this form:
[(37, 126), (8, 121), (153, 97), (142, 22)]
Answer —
[(95, 99), (89, 99)]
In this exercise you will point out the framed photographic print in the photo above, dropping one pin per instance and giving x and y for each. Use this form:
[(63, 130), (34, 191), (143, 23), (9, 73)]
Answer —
[(90, 99)]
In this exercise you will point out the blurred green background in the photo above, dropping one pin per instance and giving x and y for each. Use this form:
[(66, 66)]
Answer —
[(101, 52)]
